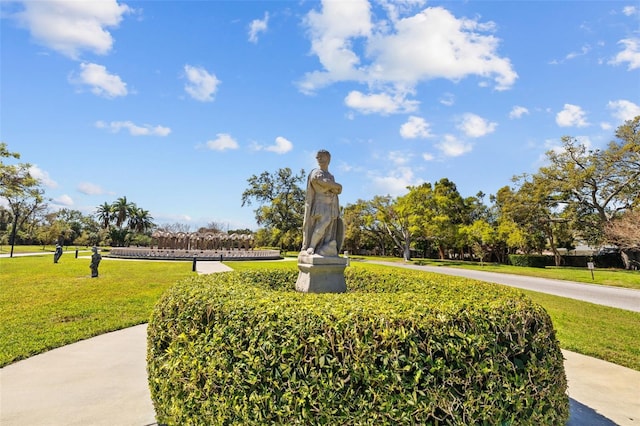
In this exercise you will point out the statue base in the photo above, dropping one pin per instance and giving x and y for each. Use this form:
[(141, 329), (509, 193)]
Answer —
[(319, 274)]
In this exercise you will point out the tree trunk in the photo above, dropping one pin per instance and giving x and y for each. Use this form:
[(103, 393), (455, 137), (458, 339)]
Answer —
[(14, 232), (630, 259), (625, 259), (406, 253)]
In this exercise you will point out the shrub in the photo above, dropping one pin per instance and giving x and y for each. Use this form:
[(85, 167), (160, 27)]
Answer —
[(534, 261), (397, 348)]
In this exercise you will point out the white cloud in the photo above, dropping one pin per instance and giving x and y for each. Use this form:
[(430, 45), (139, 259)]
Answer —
[(624, 110), (71, 27), (630, 54), (571, 116), (518, 111), (415, 127), (332, 31), (379, 103), (101, 82), (258, 26), (583, 51), (475, 126), (399, 158), (396, 182), (629, 10), (401, 52), (450, 146), (89, 188), (64, 200), (427, 156), (42, 176), (281, 146), (222, 142), (201, 85), (448, 99), (134, 129)]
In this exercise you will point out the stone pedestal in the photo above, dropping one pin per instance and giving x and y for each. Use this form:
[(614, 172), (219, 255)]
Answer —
[(319, 274)]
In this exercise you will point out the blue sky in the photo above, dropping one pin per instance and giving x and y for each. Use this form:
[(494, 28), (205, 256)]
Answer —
[(175, 104)]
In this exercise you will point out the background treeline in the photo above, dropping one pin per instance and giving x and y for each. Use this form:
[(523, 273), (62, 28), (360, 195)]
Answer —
[(580, 197)]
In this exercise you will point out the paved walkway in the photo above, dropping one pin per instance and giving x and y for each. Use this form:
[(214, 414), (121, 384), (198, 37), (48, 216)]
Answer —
[(103, 381), (617, 297)]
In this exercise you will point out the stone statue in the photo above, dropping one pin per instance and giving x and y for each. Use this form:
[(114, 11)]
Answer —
[(57, 254), (321, 270), (95, 261), (322, 230)]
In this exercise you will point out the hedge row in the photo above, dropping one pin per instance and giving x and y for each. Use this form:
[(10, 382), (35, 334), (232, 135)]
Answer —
[(534, 261), (398, 348), (605, 260)]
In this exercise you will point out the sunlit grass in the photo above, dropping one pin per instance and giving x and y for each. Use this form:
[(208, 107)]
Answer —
[(595, 330), (45, 305)]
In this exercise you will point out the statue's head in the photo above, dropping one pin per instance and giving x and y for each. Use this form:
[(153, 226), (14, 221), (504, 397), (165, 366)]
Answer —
[(323, 153)]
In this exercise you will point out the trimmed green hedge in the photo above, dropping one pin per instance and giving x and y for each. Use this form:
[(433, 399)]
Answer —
[(398, 348), (534, 261)]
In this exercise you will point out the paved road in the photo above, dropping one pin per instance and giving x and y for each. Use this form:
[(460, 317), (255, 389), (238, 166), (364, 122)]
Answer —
[(623, 298)]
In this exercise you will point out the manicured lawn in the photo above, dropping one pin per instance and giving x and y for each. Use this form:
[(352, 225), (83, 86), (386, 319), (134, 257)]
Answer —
[(595, 330), (45, 305), (46, 249)]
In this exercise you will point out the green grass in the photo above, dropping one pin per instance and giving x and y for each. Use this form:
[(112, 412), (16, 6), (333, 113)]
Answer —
[(45, 305), (612, 277), (599, 331), (6, 249), (40, 249)]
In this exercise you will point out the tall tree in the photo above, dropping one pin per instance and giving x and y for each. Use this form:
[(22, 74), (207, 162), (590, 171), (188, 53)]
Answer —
[(140, 220), (363, 229), (536, 209), (624, 232), (121, 210), (597, 184), (21, 190), (394, 215), (437, 212), (281, 203), (104, 213), (482, 238)]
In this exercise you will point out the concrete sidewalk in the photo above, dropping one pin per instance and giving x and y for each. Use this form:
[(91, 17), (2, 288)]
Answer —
[(103, 381)]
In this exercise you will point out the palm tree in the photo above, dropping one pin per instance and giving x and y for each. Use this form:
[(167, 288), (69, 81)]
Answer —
[(140, 220), (104, 213), (121, 209)]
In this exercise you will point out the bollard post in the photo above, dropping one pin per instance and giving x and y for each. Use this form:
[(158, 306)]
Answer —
[(193, 268), (76, 253)]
